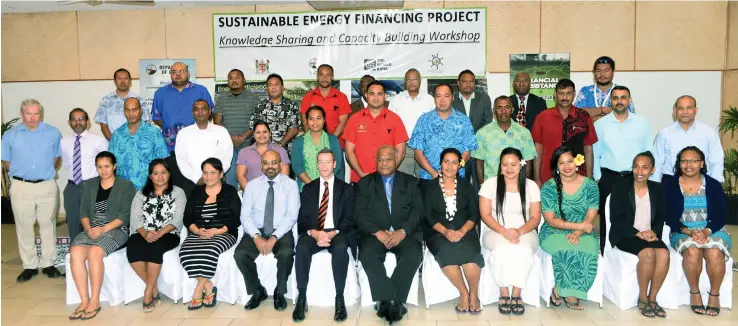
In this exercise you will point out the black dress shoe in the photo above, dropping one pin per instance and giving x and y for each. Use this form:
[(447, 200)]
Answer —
[(300, 309), (27, 274), (256, 299), (401, 310), (340, 314), (279, 301), (393, 314), (381, 308), (51, 272)]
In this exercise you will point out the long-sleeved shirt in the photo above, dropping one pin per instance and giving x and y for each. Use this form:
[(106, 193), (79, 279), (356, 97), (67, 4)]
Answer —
[(195, 145), (673, 138), (286, 205), (89, 145), (619, 142)]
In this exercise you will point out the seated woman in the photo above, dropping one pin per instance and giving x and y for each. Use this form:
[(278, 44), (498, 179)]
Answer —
[(450, 233), (105, 208), (156, 218), (212, 216), (570, 202), (510, 205), (248, 164), (306, 147), (637, 213), (696, 215)]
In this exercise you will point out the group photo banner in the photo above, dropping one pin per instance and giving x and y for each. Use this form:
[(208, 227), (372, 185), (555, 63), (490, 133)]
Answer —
[(383, 43)]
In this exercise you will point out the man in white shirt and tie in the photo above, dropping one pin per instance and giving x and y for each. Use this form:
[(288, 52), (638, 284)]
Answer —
[(78, 157)]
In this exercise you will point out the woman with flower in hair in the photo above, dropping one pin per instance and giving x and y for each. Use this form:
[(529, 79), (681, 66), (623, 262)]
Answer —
[(570, 202)]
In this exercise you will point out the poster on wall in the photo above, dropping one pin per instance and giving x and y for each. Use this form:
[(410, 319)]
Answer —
[(544, 69), (392, 87), (293, 90), (383, 43), (154, 73)]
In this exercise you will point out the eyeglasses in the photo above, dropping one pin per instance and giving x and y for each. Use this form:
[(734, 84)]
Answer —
[(689, 161), (270, 162)]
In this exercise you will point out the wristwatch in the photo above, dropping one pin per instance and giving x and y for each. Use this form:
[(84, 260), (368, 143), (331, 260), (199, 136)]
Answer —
[(257, 234)]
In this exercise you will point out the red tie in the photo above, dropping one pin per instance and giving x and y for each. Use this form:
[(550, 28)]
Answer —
[(323, 209), (520, 117)]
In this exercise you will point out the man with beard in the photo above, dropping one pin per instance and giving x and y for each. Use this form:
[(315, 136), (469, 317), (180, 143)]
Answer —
[(475, 105), (335, 103), (270, 206), (280, 113), (110, 112), (526, 106), (362, 103), (595, 99), (622, 135), (564, 124), (233, 110), (78, 157)]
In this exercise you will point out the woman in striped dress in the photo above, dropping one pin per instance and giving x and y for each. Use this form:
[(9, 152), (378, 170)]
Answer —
[(104, 209), (212, 216)]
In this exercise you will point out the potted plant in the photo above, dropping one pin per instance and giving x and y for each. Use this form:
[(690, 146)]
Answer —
[(729, 123), (7, 210)]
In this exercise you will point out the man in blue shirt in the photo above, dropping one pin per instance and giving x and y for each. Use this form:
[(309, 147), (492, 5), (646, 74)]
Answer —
[(595, 99), (31, 152), (621, 136)]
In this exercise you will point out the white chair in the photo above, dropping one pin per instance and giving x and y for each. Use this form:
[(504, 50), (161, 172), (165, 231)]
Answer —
[(223, 279), (436, 286), (113, 280), (621, 278), (390, 262), (321, 290), (169, 281)]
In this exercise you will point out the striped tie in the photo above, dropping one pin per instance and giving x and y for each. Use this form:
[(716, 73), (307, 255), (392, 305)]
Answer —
[(323, 209), (77, 162)]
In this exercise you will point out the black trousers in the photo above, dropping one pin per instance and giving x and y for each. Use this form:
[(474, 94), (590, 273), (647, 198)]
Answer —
[(607, 181), (72, 200), (372, 253), (307, 247), (178, 179), (246, 253)]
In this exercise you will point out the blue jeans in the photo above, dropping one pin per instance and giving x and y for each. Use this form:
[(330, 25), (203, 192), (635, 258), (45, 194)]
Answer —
[(230, 176)]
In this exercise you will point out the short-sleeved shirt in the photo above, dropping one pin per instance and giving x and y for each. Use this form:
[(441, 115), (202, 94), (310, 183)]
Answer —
[(369, 134), (335, 105), (251, 158), (592, 97), (552, 131), (492, 140), (280, 117), (110, 110), (237, 110), (31, 153), (134, 153), (432, 135), (174, 109)]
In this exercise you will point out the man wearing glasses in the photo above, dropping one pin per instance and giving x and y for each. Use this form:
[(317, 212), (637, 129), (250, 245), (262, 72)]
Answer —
[(595, 99)]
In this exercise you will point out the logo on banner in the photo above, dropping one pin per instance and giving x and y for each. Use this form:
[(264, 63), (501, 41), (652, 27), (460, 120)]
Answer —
[(151, 69), (313, 63), (262, 66), (436, 61), (376, 65)]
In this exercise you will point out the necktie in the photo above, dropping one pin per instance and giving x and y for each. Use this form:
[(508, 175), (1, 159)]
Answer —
[(388, 193), (323, 210), (269, 211), (77, 162), (520, 117)]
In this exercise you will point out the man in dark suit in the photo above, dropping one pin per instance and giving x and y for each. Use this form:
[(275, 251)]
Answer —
[(532, 105), (324, 222), (361, 103), (478, 107), (388, 213)]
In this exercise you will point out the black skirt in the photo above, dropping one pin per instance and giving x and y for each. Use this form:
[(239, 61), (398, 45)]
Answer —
[(634, 245), (448, 253), (141, 250)]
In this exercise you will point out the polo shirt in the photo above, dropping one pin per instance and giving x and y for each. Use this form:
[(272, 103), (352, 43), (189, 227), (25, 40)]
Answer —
[(31, 153), (335, 105), (237, 111), (174, 109), (549, 132), (369, 134)]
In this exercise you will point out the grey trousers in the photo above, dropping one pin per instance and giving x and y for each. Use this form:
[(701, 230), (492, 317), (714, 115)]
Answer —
[(408, 164), (72, 198)]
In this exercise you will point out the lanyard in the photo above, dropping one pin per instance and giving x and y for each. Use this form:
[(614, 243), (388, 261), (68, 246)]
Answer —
[(596, 99)]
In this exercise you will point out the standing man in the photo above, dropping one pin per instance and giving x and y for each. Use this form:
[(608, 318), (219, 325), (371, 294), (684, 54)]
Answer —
[(687, 131), (31, 153), (78, 157), (335, 103), (595, 99), (324, 222), (565, 124), (622, 135), (410, 105), (135, 145), (198, 142), (233, 110), (526, 106), (271, 203), (439, 129), (361, 103), (369, 130), (475, 105), (280, 113), (110, 112), (498, 135)]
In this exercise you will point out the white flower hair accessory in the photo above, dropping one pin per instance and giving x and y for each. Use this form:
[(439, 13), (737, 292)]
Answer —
[(522, 163)]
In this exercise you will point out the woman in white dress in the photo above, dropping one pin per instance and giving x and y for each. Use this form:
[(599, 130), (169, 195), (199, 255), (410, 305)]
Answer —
[(510, 206)]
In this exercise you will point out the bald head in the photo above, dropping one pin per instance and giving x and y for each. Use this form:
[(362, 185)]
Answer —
[(132, 110), (386, 160), (271, 164), (521, 83), (180, 74)]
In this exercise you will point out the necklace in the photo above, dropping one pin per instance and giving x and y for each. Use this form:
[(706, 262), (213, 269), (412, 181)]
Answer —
[(450, 200)]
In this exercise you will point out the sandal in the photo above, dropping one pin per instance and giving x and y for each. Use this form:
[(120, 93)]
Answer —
[(475, 309), (696, 307), (647, 309), (94, 314), (157, 299), (504, 308), (555, 300), (657, 310), (716, 310), (573, 305), (195, 304), (149, 307), (211, 299), (518, 308), (77, 314), (641, 305)]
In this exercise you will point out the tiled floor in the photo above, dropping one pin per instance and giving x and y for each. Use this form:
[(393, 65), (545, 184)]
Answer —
[(41, 302)]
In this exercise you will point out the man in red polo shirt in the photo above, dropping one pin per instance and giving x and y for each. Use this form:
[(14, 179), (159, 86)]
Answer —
[(370, 129), (551, 130), (335, 103)]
